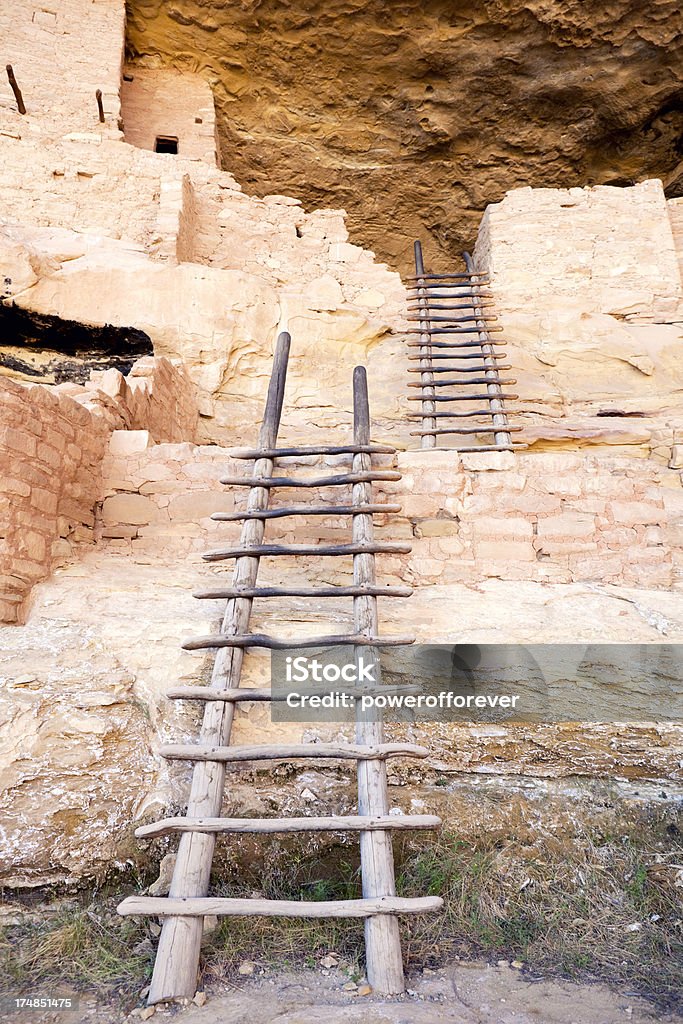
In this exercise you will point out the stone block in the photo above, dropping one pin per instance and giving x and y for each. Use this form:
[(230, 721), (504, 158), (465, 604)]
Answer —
[(567, 526), (510, 528), (421, 506), (49, 455), (325, 293), (129, 442), (676, 460), (134, 509), (426, 568), (14, 486), (434, 528), (121, 531), (33, 545), (9, 611), (18, 441), (450, 547), (567, 546), (160, 487), (637, 513), (533, 504), (479, 462), (504, 551), (45, 501)]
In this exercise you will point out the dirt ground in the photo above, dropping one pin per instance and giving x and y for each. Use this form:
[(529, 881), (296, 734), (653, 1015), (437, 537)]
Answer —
[(465, 993)]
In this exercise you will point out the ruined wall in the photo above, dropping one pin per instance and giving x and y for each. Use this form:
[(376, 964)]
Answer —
[(57, 73), (221, 320), (601, 250), (546, 518), (52, 442), (169, 104), (588, 289), (51, 450)]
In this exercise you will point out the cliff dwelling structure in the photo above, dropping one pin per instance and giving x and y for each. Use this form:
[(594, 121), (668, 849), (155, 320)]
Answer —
[(171, 203)]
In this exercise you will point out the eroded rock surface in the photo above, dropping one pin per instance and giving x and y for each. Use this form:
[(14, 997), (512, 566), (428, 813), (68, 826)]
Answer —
[(414, 117)]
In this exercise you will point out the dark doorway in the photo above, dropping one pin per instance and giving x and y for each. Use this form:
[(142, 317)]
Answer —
[(166, 144)]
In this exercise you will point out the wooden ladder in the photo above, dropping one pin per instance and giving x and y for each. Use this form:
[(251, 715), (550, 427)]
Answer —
[(457, 304), (177, 959)]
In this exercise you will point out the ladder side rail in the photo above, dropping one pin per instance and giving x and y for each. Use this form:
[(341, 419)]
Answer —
[(384, 961), (177, 958), (500, 421), (427, 377)]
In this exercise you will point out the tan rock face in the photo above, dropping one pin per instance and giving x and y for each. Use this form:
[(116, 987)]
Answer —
[(413, 117), (587, 286)]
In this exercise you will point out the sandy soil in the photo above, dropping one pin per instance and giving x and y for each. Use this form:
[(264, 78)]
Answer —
[(462, 994)]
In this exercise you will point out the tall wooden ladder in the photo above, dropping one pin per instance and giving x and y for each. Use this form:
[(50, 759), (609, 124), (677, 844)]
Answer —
[(452, 311), (177, 959)]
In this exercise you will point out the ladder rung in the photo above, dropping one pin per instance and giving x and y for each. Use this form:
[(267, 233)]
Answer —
[(344, 449), (322, 481), (369, 591), (450, 319), (163, 906), (449, 291), (235, 695), (457, 369), (488, 429), (460, 398), (304, 510), (274, 644), (238, 695), (424, 303), (450, 415), (448, 286), (454, 344), (261, 550), (486, 447), (339, 823), (444, 277), (460, 383), (290, 752), (450, 355), (452, 330)]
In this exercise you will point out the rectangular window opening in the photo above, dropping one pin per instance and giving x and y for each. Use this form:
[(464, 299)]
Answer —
[(166, 144)]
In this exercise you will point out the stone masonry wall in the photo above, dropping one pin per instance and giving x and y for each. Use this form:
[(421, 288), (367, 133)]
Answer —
[(51, 450), (608, 250), (543, 517), (160, 102), (675, 207), (57, 73), (84, 186), (157, 396), (52, 441), (587, 286)]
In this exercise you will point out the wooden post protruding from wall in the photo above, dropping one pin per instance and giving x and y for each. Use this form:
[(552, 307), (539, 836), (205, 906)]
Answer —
[(100, 107), (16, 90)]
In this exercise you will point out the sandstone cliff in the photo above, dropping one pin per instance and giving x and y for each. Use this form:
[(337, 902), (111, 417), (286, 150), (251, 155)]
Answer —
[(414, 116)]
